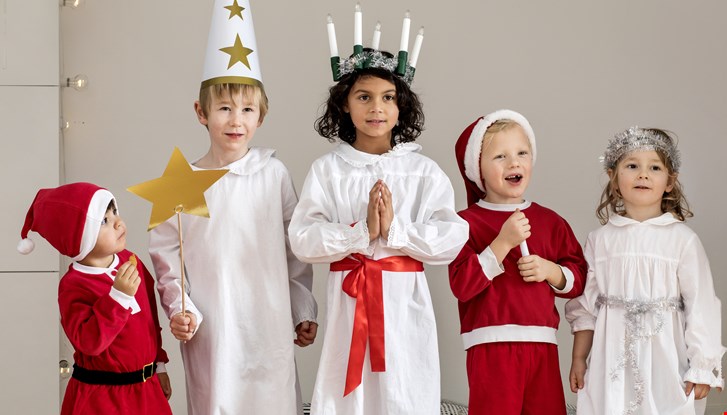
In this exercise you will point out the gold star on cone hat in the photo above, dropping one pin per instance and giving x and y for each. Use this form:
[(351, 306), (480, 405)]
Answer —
[(179, 190), (232, 56)]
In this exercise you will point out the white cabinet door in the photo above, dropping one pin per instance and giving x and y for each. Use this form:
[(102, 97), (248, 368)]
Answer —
[(29, 46), (29, 346), (29, 144)]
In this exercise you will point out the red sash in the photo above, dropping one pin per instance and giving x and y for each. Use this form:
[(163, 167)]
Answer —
[(364, 283)]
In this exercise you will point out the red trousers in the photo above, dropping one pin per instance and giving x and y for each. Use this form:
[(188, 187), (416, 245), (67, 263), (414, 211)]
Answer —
[(515, 378)]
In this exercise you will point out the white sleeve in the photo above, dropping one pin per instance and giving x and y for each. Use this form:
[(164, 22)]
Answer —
[(314, 236), (302, 304), (164, 252), (702, 311), (435, 234), (581, 312)]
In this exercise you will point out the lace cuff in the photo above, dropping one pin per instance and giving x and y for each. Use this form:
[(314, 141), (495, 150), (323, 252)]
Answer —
[(705, 372), (397, 235), (359, 240)]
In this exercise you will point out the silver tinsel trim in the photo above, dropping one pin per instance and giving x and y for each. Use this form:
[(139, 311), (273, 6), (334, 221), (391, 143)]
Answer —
[(373, 59), (636, 331), (639, 139)]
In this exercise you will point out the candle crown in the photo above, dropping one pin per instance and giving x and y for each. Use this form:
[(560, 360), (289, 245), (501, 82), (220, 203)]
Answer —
[(401, 65)]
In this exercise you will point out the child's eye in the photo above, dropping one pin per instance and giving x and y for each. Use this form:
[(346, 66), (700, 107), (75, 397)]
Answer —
[(248, 109), (630, 166), (499, 156), (389, 97), (225, 108), (523, 153), (363, 97), (656, 168)]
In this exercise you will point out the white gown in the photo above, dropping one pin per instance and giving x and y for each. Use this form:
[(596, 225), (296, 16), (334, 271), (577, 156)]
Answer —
[(242, 281), (650, 300), (426, 227)]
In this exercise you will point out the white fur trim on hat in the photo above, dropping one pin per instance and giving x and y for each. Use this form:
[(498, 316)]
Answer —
[(474, 144), (26, 246), (94, 217)]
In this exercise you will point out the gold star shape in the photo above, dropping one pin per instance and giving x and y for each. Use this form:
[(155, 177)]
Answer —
[(235, 10), (238, 53), (180, 189)]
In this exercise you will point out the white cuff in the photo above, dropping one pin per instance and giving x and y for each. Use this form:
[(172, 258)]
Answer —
[(489, 264), (398, 237), (569, 279), (161, 367), (125, 300)]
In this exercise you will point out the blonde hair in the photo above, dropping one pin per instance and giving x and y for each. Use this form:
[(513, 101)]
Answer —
[(256, 93), (496, 127), (674, 201)]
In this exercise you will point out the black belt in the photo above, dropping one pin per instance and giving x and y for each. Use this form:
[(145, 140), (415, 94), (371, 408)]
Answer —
[(100, 377)]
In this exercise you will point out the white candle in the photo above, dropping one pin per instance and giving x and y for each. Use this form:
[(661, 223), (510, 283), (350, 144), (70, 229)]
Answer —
[(524, 248), (417, 47), (357, 22), (377, 37), (404, 45), (332, 37)]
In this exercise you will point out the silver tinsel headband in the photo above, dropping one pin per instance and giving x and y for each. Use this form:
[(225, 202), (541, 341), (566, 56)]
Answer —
[(639, 139), (373, 59)]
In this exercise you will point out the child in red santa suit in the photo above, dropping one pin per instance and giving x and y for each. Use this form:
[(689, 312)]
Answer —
[(519, 257), (107, 304)]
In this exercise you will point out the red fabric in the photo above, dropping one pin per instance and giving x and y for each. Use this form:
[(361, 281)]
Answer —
[(59, 216), (108, 337), (507, 299), (515, 379), (364, 283), (473, 192)]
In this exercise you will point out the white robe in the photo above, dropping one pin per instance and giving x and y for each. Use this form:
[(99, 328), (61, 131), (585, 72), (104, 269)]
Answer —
[(425, 227), (650, 268), (242, 283)]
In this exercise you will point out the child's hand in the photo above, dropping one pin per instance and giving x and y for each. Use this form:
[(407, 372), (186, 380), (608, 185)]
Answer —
[(577, 374), (166, 384), (372, 213), (183, 326), (306, 331), (127, 279), (386, 211), (700, 390), (515, 230), (536, 269)]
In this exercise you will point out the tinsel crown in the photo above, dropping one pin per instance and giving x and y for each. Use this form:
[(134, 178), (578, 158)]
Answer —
[(640, 139), (374, 59)]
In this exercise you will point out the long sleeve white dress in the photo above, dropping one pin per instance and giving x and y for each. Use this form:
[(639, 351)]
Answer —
[(246, 288), (329, 224), (650, 300)]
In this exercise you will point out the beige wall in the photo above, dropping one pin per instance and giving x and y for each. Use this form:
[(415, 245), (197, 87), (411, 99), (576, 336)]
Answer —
[(580, 71)]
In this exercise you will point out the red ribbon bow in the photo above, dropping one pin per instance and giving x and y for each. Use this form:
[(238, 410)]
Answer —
[(364, 283)]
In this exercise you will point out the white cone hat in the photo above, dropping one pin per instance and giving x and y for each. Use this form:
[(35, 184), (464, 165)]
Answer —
[(232, 56)]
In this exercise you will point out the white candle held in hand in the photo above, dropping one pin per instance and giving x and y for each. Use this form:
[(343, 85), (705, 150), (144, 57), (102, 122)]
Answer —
[(332, 37), (404, 45), (524, 248), (377, 37), (417, 47)]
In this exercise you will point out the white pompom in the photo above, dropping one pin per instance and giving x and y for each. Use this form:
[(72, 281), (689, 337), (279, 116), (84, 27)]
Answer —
[(26, 246)]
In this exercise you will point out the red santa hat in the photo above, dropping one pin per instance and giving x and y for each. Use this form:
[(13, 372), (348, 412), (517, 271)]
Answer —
[(469, 149), (69, 217)]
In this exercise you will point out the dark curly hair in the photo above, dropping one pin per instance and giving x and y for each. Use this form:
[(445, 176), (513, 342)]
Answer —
[(336, 123)]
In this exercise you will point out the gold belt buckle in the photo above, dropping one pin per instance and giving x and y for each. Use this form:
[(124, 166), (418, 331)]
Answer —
[(144, 371)]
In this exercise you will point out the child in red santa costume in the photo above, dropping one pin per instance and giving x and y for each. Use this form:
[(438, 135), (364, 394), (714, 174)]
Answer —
[(107, 304), (507, 294)]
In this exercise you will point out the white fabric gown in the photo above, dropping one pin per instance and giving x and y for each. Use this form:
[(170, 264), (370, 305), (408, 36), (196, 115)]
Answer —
[(649, 297), (426, 227), (241, 281)]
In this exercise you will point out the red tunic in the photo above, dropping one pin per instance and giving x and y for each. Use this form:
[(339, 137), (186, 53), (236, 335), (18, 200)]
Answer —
[(506, 303), (106, 336)]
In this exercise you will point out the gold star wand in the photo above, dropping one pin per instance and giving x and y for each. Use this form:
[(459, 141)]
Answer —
[(179, 190)]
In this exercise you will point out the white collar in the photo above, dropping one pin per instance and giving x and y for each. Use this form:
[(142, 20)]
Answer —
[(110, 271), (661, 220), (254, 160), (504, 207), (358, 158)]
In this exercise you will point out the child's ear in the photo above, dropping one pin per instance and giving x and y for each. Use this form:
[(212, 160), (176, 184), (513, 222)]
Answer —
[(672, 181), (200, 113), (260, 120)]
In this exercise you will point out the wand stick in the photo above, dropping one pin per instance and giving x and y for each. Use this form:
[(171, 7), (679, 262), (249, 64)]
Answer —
[(178, 210)]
